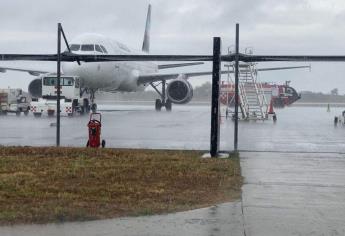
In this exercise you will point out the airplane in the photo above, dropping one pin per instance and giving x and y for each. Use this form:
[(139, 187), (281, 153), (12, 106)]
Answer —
[(111, 66)]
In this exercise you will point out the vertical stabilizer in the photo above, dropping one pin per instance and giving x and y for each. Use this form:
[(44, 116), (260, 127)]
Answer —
[(146, 42)]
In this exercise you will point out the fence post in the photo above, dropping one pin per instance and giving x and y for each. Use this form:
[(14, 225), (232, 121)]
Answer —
[(215, 109), (236, 89), (58, 74)]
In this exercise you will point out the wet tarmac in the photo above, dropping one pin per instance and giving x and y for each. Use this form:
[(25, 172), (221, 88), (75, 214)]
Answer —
[(293, 194), (187, 127), (294, 178)]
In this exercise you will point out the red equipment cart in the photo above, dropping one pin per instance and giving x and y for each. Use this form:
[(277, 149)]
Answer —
[(94, 126)]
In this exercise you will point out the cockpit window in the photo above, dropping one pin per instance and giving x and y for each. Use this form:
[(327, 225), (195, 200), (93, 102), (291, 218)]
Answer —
[(103, 48), (75, 47), (88, 47), (98, 48), (289, 90)]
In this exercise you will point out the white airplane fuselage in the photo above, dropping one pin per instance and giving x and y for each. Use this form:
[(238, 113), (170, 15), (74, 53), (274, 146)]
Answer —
[(107, 76)]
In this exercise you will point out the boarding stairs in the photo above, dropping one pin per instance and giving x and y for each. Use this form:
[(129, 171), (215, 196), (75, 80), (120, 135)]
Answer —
[(252, 99)]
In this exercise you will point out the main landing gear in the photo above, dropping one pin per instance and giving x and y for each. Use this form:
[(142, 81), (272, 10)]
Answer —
[(159, 104), (164, 101)]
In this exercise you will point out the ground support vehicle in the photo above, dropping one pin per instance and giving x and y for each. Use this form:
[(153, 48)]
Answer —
[(71, 101), (14, 101)]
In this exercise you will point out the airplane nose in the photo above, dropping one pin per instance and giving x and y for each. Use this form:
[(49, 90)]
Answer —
[(70, 68)]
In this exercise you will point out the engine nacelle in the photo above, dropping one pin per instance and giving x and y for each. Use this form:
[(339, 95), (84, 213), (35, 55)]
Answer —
[(35, 88), (179, 91)]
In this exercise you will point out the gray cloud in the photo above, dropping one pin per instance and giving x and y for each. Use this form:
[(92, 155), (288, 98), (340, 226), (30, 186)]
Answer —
[(179, 26)]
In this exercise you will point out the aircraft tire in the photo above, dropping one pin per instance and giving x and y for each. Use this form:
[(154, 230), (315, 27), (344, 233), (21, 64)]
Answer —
[(82, 110), (86, 106), (94, 108), (168, 105), (50, 113), (37, 114), (103, 143), (158, 105)]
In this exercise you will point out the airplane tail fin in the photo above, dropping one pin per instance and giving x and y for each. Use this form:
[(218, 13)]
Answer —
[(146, 42)]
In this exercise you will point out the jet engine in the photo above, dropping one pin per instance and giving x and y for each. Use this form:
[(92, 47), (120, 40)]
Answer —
[(179, 91), (35, 88)]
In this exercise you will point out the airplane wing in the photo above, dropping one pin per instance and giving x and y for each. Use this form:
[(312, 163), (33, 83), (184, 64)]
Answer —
[(145, 79), (3, 69), (168, 66), (283, 68), (263, 58)]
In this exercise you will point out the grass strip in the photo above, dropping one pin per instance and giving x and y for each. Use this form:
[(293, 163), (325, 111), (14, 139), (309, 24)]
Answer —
[(40, 185)]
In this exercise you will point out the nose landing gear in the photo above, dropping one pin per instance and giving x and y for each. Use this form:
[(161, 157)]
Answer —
[(92, 98), (89, 104), (163, 102), (94, 107)]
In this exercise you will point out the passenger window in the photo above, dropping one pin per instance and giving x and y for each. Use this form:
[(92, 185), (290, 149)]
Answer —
[(88, 47), (75, 47), (104, 50), (98, 48)]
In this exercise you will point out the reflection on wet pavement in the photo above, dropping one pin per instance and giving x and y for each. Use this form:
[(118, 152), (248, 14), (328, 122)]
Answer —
[(187, 127), (224, 219)]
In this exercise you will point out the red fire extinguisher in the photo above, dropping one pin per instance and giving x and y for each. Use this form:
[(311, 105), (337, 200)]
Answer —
[(94, 125)]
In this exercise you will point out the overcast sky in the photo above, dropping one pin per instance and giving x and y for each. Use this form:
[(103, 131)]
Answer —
[(181, 26)]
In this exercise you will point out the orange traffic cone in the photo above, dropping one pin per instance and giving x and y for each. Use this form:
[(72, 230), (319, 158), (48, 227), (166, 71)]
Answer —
[(270, 111)]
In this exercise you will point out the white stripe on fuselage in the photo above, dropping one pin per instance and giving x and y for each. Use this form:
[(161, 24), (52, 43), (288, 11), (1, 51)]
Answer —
[(109, 76)]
